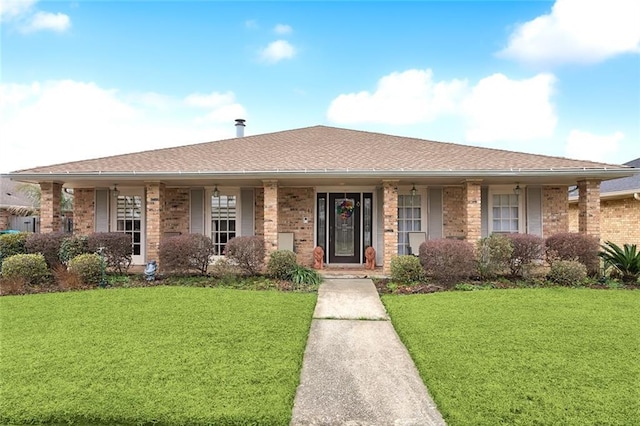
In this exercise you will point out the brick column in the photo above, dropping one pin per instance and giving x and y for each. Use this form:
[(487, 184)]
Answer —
[(589, 207), (390, 223), (5, 219), (472, 210), (270, 222), (84, 201), (50, 210), (155, 212)]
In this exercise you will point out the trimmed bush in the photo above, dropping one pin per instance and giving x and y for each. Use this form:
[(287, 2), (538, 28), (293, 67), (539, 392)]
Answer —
[(73, 246), (527, 249), (48, 245), (12, 244), (248, 253), (448, 260), (30, 267), (281, 263), (184, 253), (88, 267), (406, 269), (117, 249), (574, 246), (494, 253), (567, 272)]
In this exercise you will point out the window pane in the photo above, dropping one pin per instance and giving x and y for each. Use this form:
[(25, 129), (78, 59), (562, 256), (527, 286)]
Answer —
[(496, 212), (496, 226), (514, 225)]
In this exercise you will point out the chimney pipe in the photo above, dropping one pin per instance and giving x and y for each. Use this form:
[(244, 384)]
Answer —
[(240, 127)]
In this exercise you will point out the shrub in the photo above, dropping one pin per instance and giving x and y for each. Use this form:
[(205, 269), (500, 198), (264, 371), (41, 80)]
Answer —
[(12, 244), (247, 252), (527, 248), (73, 246), (31, 267), (625, 261), (185, 253), (67, 279), (301, 275), (15, 285), (48, 245), (574, 246), (281, 263), (406, 269), (494, 253), (88, 267), (224, 270), (567, 272), (117, 249), (448, 260)]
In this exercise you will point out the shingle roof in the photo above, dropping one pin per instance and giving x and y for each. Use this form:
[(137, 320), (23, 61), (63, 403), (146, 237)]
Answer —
[(10, 196), (630, 184), (319, 148)]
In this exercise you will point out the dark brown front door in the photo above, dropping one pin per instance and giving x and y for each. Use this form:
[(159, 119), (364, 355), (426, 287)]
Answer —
[(344, 228)]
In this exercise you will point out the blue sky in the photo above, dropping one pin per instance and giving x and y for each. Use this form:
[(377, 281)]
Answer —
[(85, 79)]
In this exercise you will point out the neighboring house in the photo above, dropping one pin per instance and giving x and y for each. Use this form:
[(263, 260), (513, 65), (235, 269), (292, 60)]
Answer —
[(619, 209), (16, 209), (341, 189)]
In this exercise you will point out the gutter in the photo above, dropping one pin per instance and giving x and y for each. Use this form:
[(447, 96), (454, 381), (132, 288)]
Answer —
[(319, 173)]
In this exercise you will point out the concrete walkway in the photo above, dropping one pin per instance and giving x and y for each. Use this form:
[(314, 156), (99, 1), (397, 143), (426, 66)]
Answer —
[(356, 371)]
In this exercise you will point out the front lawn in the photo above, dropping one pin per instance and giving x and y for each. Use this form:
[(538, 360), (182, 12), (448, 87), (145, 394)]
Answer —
[(526, 356), (169, 355)]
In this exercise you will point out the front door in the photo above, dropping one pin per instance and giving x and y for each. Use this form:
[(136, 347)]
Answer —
[(344, 228)]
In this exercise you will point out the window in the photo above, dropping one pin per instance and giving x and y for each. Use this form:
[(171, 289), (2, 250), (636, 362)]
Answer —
[(409, 219), (505, 213), (129, 219), (223, 221)]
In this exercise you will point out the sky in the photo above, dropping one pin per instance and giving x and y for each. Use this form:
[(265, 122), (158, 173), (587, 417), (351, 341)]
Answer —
[(86, 79)]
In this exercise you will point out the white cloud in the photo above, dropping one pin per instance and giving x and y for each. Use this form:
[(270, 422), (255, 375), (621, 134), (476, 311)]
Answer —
[(277, 51), (400, 98), (27, 19), (212, 100), (283, 29), (58, 121), (58, 22), (11, 9), (501, 109), (251, 24), (588, 146), (580, 31)]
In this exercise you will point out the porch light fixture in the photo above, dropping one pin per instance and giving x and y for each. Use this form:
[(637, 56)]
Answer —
[(216, 193), (516, 190), (115, 190), (414, 191)]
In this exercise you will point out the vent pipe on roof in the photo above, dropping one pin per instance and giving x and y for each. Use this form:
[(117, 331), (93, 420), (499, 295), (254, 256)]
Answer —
[(240, 127)]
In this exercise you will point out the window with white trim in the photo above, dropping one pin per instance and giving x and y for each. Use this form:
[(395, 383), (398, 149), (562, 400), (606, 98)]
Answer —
[(224, 218), (505, 212), (409, 219)]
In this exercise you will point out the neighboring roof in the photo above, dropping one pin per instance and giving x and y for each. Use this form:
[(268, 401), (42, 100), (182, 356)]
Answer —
[(11, 197), (321, 151), (627, 184)]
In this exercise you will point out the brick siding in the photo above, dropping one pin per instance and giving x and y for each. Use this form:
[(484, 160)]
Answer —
[(619, 220), (270, 220), (259, 212), (472, 211), (453, 212), (390, 223), (50, 211), (176, 210), (84, 211), (294, 205), (555, 210), (589, 207)]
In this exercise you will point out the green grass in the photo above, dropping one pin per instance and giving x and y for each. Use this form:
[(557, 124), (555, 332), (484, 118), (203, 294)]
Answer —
[(526, 356), (166, 355)]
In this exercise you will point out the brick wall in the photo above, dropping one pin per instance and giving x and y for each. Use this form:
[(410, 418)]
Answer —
[(84, 211), (50, 213), (390, 223), (270, 219), (453, 212), (589, 207), (155, 197), (619, 220), (176, 210), (259, 212), (555, 210), (472, 211), (294, 205)]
